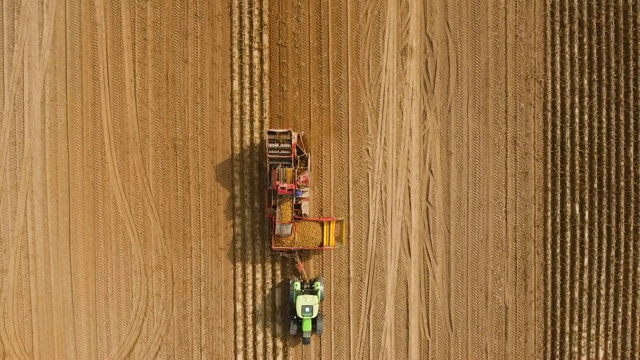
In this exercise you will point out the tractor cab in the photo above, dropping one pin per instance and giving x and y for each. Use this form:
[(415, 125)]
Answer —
[(306, 297)]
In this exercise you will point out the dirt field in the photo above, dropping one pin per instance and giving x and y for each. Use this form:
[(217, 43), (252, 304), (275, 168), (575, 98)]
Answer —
[(132, 195), (593, 142), (428, 148)]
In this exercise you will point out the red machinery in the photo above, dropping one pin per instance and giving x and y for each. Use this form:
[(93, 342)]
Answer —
[(288, 197)]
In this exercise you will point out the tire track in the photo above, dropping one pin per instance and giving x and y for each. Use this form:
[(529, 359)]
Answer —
[(58, 191), (459, 180), (158, 125), (98, 184), (537, 14), (33, 87), (37, 61), (5, 220), (477, 183), (440, 306), (393, 173), (79, 93), (135, 42), (497, 243), (401, 70), (330, 28), (514, 192), (121, 251), (194, 103), (147, 194), (28, 276), (182, 250), (122, 60), (525, 197), (10, 331), (139, 307), (220, 270), (417, 87), (371, 52), (14, 78)]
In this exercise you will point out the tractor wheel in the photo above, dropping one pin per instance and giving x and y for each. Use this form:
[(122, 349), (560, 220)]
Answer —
[(293, 327), (320, 280), (319, 324)]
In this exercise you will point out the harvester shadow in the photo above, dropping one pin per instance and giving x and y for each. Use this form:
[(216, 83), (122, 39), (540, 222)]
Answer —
[(245, 208), (242, 175)]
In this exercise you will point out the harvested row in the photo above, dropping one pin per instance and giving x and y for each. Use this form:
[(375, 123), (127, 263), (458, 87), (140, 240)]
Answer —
[(592, 198), (258, 325)]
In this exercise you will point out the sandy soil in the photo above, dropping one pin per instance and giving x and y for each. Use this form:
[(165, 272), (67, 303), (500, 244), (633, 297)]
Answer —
[(428, 148), (131, 196), (114, 229)]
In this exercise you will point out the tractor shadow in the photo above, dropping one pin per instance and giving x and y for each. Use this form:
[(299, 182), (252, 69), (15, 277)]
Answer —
[(243, 175), (276, 311)]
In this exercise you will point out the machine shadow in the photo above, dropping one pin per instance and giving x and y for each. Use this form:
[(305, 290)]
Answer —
[(243, 176), (278, 294)]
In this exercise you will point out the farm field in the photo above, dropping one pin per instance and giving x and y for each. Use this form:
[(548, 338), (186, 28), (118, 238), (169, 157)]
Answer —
[(484, 155)]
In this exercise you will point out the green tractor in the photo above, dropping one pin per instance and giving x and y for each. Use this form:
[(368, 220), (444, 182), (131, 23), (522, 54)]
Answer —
[(306, 297)]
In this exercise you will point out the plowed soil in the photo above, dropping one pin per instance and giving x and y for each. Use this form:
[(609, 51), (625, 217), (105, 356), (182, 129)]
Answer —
[(593, 142), (114, 228), (484, 155)]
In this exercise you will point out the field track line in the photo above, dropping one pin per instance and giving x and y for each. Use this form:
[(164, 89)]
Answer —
[(496, 321), (478, 183), (5, 219), (438, 250), (417, 306), (134, 326), (15, 343), (459, 181), (9, 103), (375, 51), (395, 174), (89, 139), (58, 190), (39, 268), (147, 194), (523, 150)]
